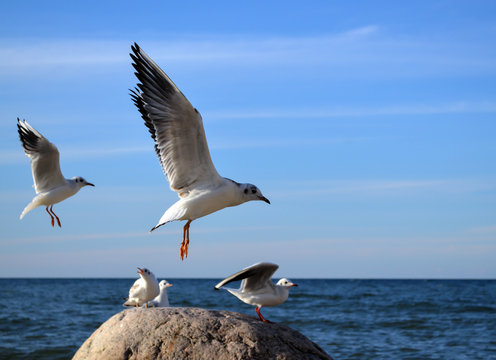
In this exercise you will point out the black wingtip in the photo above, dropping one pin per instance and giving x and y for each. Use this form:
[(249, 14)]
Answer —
[(136, 50), (216, 289)]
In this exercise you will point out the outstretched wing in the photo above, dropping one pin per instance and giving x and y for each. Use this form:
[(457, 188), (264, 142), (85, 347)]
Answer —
[(175, 125), (44, 157), (254, 277)]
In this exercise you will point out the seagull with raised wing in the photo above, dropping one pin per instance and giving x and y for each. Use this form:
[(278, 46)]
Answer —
[(144, 289), (49, 183), (180, 143), (257, 287), (161, 300)]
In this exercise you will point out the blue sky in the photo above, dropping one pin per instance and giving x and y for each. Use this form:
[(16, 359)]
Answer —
[(369, 125)]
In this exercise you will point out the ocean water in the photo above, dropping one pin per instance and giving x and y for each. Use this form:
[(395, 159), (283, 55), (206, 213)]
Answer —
[(350, 319)]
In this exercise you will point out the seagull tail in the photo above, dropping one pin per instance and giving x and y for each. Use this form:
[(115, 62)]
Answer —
[(33, 204), (157, 226), (129, 303), (175, 212)]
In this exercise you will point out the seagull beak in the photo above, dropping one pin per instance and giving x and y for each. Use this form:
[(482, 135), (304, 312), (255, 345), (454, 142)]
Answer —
[(90, 184), (140, 271), (169, 285), (294, 284), (263, 198)]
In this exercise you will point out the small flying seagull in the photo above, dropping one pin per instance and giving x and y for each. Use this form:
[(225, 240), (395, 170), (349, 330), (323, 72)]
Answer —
[(176, 128), (143, 290), (257, 287), (49, 183)]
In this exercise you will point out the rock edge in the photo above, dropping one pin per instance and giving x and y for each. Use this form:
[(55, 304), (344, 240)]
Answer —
[(194, 333)]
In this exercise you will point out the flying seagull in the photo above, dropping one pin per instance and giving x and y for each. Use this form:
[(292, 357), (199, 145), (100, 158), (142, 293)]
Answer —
[(176, 128), (257, 287), (49, 183), (143, 290)]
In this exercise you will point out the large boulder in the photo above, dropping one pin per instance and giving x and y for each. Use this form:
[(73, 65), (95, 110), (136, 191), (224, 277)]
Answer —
[(192, 333)]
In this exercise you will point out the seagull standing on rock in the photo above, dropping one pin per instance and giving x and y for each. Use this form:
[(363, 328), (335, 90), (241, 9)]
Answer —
[(257, 287), (49, 183), (143, 290), (176, 128), (162, 300)]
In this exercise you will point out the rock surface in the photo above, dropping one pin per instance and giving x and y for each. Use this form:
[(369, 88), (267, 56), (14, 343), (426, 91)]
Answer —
[(192, 333)]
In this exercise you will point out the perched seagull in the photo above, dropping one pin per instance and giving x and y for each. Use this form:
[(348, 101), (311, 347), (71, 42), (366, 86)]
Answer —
[(162, 299), (49, 183), (143, 290), (257, 287), (180, 143)]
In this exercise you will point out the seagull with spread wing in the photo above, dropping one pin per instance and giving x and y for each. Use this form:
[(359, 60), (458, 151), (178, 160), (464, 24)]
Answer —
[(257, 287), (176, 128), (49, 183)]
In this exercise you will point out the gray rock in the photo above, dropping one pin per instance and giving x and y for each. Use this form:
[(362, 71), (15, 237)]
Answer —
[(192, 333)]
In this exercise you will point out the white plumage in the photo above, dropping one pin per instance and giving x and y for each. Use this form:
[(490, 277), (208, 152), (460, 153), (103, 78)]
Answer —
[(162, 300), (49, 183), (143, 290), (257, 287), (181, 145)]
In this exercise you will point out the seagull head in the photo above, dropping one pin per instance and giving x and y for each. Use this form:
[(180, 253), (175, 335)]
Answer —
[(251, 192), (164, 284), (145, 273), (81, 182), (286, 283)]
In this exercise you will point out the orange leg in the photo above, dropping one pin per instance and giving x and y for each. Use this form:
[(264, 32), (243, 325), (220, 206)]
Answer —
[(56, 217), (257, 309), (187, 238), (51, 216), (185, 243)]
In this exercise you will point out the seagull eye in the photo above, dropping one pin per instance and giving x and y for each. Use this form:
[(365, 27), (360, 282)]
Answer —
[(246, 191), (253, 191)]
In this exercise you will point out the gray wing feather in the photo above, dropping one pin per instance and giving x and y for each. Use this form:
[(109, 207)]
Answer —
[(254, 277), (45, 165), (174, 124)]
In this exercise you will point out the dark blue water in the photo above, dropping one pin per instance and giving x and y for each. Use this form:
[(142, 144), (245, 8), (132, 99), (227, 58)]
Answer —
[(350, 319)]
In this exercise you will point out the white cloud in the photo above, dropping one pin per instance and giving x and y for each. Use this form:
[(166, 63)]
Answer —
[(15, 157), (382, 187), (410, 109), (82, 238), (329, 257), (198, 48), (366, 49), (491, 229)]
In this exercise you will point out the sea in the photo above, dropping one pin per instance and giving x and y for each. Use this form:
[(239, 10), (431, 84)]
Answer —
[(349, 319)]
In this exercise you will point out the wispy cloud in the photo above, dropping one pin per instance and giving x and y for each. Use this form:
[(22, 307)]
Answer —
[(491, 229), (68, 152), (198, 48), (330, 257), (410, 109), (95, 151), (364, 48), (383, 187), (49, 239)]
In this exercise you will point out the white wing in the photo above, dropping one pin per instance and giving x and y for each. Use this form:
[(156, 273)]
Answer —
[(137, 290), (175, 125), (254, 277), (44, 158)]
